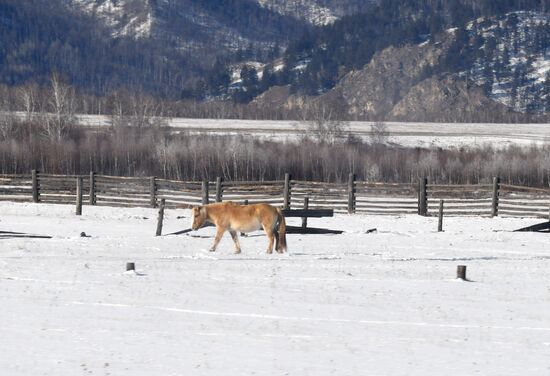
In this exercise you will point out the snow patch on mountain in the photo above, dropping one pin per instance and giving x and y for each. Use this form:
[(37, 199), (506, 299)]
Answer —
[(125, 18), (311, 11)]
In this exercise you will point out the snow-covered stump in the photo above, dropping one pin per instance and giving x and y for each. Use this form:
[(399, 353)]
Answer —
[(160, 218), (130, 266), (461, 272)]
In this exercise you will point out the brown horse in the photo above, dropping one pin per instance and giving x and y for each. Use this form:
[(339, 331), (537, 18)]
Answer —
[(228, 216)]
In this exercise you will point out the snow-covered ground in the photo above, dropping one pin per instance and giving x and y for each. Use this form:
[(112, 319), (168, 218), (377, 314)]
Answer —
[(384, 303), (411, 134)]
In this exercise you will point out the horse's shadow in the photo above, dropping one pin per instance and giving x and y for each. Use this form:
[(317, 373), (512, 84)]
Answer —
[(15, 235)]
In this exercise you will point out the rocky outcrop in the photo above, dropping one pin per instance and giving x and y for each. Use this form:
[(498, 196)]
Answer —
[(445, 99), (373, 91)]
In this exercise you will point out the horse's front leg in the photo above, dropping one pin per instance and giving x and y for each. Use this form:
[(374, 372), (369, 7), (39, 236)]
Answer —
[(219, 233), (236, 241)]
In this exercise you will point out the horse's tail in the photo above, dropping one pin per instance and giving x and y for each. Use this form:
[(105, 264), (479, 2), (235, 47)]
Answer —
[(280, 245)]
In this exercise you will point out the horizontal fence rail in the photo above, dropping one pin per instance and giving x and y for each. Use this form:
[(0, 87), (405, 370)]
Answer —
[(473, 200), (362, 197)]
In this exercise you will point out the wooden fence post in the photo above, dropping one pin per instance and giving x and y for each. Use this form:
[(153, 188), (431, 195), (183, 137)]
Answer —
[(92, 188), (286, 192), (35, 189), (423, 197), (204, 190), (79, 195), (160, 218), (153, 191), (494, 204), (219, 192), (351, 194), (306, 207), (440, 222)]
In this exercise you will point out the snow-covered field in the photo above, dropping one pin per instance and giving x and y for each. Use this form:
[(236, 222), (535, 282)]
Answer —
[(468, 135), (411, 134), (384, 303)]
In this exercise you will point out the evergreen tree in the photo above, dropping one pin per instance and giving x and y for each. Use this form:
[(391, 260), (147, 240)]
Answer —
[(218, 78)]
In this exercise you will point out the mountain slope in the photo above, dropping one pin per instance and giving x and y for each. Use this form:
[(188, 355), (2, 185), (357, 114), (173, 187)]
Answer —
[(351, 42), (41, 37), (163, 47), (496, 64), (193, 25), (484, 71)]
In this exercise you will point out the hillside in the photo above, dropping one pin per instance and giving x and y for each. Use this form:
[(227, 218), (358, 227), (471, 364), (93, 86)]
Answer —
[(366, 60), (194, 26), (492, 65), (481, 71), (163, 48)]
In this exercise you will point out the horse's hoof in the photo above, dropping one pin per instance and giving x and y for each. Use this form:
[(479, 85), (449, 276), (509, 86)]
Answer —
[(211, 250), (237, 252)]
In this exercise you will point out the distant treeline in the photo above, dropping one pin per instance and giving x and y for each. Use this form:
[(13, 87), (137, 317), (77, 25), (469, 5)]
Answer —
[(33, 98), (152, 151)]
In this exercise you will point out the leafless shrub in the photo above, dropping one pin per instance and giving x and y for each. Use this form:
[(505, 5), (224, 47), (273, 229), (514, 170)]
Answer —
[(8, 124), (151, 151)]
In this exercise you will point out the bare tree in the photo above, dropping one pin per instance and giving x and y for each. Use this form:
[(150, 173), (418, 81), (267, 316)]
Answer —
[(379, 133), (137, 110), (325, 127), (61, 104), (27, 95)]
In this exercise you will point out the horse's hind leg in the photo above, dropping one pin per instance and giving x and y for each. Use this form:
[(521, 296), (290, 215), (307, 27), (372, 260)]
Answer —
[(270, 236), (276, 236), (236, 241)]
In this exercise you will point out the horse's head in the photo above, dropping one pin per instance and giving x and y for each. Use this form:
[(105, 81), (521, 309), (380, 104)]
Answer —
[(199, 217)]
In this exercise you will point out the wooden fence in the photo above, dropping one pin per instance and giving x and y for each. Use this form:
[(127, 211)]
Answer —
[(494, 199)]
